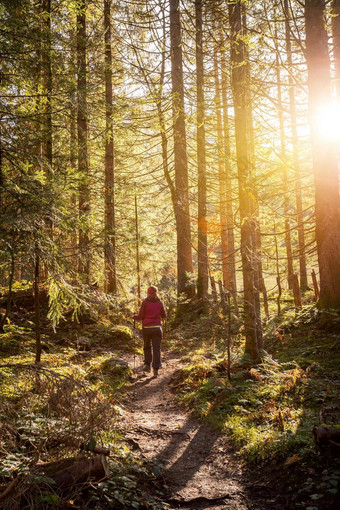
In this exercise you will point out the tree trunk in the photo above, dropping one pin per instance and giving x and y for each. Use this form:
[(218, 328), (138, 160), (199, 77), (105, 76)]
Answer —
[(1, 173), (73, 164), (298, 191), (110, 238), (229, 197), (3, 317), (254, 203), (327, 210), (202, 279), (161, 119), (184, 254), (336, 43), (239, 80), (284, 162), (221, 173), (83, 165), (37, 306), (47, 82)]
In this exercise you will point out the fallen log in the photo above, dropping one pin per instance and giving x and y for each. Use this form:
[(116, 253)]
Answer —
[(326, 436), (75, 470), (65, 474)]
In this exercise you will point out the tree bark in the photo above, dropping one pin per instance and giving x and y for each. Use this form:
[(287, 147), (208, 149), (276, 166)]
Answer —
[(254, 203), (336, 43), (83, 165), (37, 306), (284, 162), (9, 298), (229, 197), (221, 173), (47, 81), (239, 80), (327, 210), (184, 253), (202, 278), (73, 165), (296, 160), (110, 238)]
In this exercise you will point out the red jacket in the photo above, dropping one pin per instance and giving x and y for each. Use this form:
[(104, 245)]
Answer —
[(151, 312)]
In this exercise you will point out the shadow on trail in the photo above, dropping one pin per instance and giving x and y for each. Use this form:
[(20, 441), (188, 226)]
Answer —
[(189, 461), (153, 390), (143, 381)]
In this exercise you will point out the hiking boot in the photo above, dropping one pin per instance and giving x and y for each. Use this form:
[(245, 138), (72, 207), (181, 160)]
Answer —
[(155, 372), (146, 368)]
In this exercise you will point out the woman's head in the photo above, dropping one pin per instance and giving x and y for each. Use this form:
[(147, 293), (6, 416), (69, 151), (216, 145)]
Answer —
[(152, 290)]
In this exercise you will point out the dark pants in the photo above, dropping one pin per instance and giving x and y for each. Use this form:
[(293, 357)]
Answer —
[(152, 346)]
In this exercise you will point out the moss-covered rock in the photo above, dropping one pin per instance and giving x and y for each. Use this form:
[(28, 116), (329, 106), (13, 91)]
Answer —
[(120, 337), (121, 334), (115, 367)]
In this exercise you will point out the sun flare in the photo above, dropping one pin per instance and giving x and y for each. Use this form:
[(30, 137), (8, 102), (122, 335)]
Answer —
[(327, 121)]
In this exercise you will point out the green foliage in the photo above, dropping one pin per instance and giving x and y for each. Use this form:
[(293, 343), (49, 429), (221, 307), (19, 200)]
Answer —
[(269, 410), (129, 485), (257, 411)]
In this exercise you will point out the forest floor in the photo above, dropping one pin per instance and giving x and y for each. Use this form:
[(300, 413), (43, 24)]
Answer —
[(201, 469), (190, 438)]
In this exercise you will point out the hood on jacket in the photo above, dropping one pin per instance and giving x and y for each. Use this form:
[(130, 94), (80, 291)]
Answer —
[(152, 298)]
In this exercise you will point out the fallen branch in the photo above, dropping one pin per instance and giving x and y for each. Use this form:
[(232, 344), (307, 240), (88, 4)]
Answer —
[(95, 449), (10, 488)]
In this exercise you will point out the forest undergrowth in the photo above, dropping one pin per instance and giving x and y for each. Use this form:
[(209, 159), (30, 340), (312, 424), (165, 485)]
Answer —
[(269, 410), (71, 404)]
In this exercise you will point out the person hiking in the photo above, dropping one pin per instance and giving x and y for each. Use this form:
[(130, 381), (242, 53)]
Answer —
[(151, 313)]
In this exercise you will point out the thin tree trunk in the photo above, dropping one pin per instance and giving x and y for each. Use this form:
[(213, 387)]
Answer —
[(47, 81), (110, 237), (227, 159), (336, 43), (37, 306), (278, 277), (327, 210), (73, 164), (221, 173), (283, 155), (161, 120), (137, 249), (157, 93), (9, 296), (2, 180), (83, 165), (239, 81), (184, 253), (254, 203), (202, 279), (298, 191), (73, 147)]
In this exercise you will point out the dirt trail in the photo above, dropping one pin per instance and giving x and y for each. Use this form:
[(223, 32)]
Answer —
[(201, 470)]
